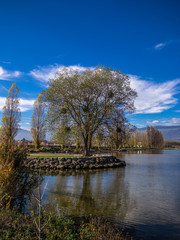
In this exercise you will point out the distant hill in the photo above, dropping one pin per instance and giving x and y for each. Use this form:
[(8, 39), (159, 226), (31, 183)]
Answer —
[(22, 133), (169, 132)]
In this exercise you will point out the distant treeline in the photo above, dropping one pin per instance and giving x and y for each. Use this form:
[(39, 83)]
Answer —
[(151, 138), (128, 137), (117, 138), (172, 144)]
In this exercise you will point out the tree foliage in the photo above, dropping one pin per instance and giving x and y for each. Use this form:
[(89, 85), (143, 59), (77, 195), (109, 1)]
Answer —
[(88, 98), (156, 138), (151, 138), (118, 129), (62, 131), (38, 129), (9, 124)]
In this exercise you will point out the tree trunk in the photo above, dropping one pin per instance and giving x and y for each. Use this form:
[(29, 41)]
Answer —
[(87, 145), (86, 152)]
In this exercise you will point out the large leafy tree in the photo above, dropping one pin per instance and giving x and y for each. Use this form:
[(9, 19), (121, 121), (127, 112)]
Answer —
[(38, 129), (88, 97)]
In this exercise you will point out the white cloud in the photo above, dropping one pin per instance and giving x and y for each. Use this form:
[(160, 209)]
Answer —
[(168, 122), (174, 121), (154, 97), (139, 125), (25, 128), (43, 74), (153, 122), (8, 75), (160, 46), (177, 111), (25, 104)]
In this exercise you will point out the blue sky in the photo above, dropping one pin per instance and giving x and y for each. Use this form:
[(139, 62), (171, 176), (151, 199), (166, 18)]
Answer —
[(139, 37)]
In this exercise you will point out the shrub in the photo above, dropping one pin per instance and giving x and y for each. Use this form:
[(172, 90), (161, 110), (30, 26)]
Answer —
[(31, 150), (43, 149), (13, 155), (15, 225)]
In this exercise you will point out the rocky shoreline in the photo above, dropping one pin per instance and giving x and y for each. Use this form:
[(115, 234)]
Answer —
[(60, 163)]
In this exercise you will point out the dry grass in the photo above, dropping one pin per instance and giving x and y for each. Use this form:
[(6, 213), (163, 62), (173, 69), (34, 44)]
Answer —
[(105, 230)]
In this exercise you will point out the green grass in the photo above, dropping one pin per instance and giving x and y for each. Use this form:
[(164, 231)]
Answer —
[(51, 156)]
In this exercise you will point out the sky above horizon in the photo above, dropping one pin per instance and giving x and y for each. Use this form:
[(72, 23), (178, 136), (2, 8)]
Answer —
[(139, 37)]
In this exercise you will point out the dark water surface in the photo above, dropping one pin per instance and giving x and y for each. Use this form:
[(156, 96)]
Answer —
[(143, 197)]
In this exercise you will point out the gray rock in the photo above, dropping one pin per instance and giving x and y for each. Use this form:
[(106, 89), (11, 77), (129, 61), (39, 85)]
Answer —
[(58, 163)]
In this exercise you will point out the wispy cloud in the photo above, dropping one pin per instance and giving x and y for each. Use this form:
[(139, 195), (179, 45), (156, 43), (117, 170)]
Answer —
[(24, 128), (175, 121), (160, 46), (5, 62), (154, 97), (8, 75), (25, 104), (172, 121), (153, 122), (139, 125), (43, 74), (3, 88)]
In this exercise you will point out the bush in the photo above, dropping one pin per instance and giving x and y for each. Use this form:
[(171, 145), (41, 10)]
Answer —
[(43, 149), (49, 149), (13, 155), (31, 150), (15, 225), (76, 151)]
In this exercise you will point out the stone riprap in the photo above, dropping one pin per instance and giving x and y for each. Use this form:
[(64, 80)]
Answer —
[(59, 163)]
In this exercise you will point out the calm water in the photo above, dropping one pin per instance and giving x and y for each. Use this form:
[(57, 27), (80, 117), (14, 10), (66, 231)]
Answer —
[(143, 197)]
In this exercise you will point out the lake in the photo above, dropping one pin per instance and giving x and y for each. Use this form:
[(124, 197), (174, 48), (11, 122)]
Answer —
[(143, 197)]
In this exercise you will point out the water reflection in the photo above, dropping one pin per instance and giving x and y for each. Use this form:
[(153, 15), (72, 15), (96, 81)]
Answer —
[(140, 151), (19, 186), (144, 196), (97, 193)]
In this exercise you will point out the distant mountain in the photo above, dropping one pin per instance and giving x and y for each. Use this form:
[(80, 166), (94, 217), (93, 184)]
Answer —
[(22, 133), (169, 132)]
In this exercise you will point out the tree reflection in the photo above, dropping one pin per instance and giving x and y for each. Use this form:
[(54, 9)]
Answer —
[(98, 192), (18, 187), (86, 204)]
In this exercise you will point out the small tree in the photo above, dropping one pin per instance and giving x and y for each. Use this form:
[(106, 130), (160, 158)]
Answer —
[(9, 123), (38, 130)]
